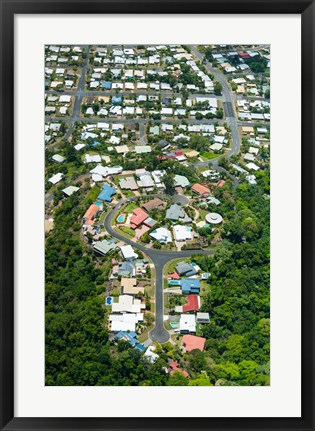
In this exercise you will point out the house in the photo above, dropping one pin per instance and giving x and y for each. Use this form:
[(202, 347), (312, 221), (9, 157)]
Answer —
[(128, 252), (128, 183), (154, 130), (129, 286), (185, 269), (152, 204), (182, 233), (58, 158), (68, 191), (141, 149), (193, 304), (127, 304), (162, 235), (150, 355), (56, 178), (190, 285), (125, 321), (91, 212), (149, 222), (181, 181), (187, 324), (137, 218), (105, 246), (145, 181), (126, 269), (192, 342), (106, 85), (174, 367), (131, 338), (203, 317), (95, 158), (106, 193), (176, 213), (201, 190)]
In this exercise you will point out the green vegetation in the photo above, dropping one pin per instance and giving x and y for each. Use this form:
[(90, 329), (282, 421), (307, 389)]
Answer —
[(78, 352)]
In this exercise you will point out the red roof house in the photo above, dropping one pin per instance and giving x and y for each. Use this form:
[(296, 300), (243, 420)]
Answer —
[(178, 152), (201, 190), (174, 366), (192, 342), (91, 212), (243, 54), (137, 218), (220, 183), (192, 304)]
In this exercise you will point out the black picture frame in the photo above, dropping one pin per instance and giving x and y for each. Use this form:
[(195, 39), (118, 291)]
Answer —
[(9, 8)]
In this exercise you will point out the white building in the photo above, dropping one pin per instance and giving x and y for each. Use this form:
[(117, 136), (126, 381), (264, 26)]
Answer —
[(162, 235), (182, 233), (187, 323), (128, 252)]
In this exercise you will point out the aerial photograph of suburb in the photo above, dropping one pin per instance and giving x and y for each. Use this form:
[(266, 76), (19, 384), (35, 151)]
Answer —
[(157, 215)]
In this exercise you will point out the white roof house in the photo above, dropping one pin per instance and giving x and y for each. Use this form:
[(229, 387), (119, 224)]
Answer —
[(96, 158), (127, 304), (252, 166), (58, 158), (182, 233), (128, 252), (187, 323), (70, 190), (106, 170), (150, 355), (162, 235), (65, 99), (56, 178), (125, 321), (114, 140), (79, 147)]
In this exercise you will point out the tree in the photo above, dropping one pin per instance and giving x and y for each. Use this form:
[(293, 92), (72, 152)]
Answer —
[(217, 88), (177, 379), (169, 184)]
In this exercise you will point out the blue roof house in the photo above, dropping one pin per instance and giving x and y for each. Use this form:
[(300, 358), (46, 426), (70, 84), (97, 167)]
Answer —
[(106, 85), (116, 99), (106, 193), (190, 285)]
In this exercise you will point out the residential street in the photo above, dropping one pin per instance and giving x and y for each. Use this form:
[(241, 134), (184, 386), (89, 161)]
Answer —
[(159, 259)]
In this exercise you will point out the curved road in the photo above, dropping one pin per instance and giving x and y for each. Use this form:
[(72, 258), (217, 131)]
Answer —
[(229, 105), (159, 259)]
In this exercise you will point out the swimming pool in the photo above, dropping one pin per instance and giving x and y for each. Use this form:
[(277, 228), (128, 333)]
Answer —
[(121, 218), (174, 325), (109, 300)]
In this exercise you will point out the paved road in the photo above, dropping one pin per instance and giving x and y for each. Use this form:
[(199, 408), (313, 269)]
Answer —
[(79, 93), (228, 102), (159, 259)]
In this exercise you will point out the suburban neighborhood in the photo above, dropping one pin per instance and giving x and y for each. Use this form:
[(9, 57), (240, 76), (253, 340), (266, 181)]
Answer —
[(157, 194)]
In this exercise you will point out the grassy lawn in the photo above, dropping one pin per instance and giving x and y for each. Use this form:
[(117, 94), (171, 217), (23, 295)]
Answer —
[(145, 334), (209, 156), (128, 230), (130, 207), (93, 193), (204, 287), (122, 232), (170, 266), (128, 193), (202, 213)]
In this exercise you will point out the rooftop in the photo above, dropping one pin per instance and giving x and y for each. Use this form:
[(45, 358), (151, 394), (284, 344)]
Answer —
[(192, 342)]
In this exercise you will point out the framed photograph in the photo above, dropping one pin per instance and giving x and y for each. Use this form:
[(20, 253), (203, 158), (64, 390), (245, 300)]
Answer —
[(157, 215)]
